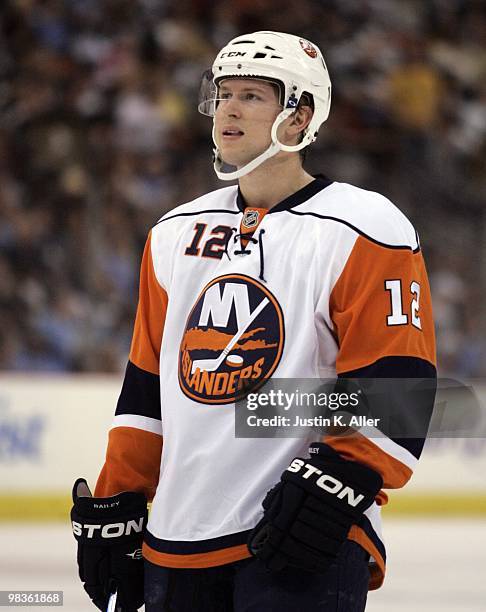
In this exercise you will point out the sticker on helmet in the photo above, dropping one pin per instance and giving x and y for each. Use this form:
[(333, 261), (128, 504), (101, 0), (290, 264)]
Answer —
[(308, 47)]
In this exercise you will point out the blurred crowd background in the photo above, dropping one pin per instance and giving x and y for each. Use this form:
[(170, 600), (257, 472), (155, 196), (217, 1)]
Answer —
[(100, 136)]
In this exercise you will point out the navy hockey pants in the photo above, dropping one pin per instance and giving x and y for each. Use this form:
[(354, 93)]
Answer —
[(246, 586)]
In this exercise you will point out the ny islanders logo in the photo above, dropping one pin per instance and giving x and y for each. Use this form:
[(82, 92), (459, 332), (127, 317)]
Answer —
[(233, 340), (308, 48)]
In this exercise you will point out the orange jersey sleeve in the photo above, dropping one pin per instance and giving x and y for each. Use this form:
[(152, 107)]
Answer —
[(150, 318), (381, 306), (382, 314), (135, 440)]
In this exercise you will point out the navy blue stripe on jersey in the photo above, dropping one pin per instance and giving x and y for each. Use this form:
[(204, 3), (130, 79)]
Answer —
[(220, 211), (196, 547), (299, 197), (357, 230), (366, 526), (396, 367), (140, 393)]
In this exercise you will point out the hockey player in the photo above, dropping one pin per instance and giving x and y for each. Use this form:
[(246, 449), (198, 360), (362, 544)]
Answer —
[(283, 275)]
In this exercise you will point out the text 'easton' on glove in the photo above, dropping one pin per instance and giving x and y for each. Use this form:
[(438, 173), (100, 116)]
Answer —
[(109, 532), (308, 514)]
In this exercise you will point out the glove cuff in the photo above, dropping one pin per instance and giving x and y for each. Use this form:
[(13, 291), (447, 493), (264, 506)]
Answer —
[(128, 502)]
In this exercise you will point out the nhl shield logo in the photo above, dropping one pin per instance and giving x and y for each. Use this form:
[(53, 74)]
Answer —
[(233, 340), (250, 219)]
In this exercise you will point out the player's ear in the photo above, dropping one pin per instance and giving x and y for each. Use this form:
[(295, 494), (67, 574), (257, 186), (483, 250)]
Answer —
[(297, 122), (302, 117)]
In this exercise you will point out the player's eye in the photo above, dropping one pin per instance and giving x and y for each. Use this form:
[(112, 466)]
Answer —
[(224, 95), (252, 96)]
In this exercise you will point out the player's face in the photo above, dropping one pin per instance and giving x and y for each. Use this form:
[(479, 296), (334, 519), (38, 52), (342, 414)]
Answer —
[(244, 116)]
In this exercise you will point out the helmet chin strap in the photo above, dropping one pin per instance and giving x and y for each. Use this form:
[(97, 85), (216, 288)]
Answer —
[(272, 150)]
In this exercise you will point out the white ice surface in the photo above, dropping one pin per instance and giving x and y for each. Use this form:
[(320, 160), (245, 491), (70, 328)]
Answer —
[(433, 565)]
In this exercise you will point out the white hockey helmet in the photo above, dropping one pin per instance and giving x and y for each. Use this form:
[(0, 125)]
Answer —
[(294, 63)]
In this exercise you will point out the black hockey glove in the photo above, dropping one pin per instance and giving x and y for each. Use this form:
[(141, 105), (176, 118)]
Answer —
[(109, 531), (308, 514)]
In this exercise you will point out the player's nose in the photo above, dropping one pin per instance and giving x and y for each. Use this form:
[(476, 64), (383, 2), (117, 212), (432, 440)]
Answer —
[(231, 107)]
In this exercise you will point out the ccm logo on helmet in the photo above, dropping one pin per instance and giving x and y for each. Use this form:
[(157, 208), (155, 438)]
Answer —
[(326, 482), (114, 530), (233, 54)]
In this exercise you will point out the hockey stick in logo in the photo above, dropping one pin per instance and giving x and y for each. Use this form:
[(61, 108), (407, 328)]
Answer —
[(112, 603), (213, 364)]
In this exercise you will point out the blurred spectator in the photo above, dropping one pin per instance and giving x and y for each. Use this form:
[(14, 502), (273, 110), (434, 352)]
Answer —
[(100, 136)]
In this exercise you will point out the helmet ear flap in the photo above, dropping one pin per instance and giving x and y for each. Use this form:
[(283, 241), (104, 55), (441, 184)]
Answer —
[(307, 99)]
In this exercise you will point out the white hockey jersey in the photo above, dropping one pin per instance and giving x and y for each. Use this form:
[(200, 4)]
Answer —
[(330, 281)]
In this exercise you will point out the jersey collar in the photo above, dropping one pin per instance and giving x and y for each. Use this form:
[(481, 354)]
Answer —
[(319, 183)]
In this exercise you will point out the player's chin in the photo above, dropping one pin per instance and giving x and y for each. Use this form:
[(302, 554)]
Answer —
[(233, 158)]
